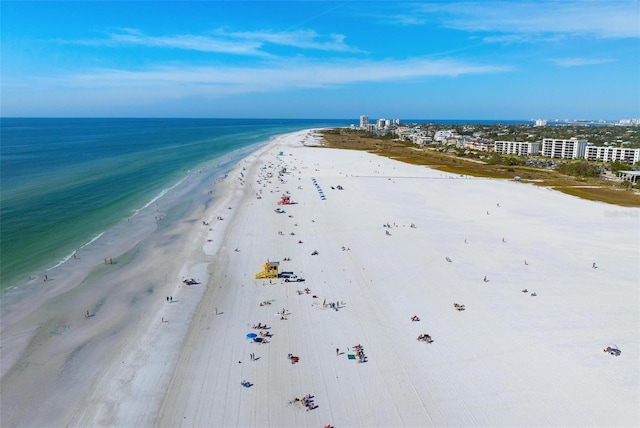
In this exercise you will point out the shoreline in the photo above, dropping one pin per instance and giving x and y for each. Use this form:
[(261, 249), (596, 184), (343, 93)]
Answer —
[(47, 213), (135, 369), (119, 289)]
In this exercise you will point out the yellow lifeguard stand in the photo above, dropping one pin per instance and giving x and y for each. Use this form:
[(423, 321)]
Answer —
[(271, 270)]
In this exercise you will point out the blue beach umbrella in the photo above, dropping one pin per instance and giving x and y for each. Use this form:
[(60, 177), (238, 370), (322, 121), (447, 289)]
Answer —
[(251, 335)]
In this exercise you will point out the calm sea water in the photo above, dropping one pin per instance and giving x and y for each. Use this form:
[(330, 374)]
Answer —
[(66, 181)]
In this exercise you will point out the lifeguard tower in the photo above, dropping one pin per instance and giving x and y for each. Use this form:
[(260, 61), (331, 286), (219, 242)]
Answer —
[(271, 271)]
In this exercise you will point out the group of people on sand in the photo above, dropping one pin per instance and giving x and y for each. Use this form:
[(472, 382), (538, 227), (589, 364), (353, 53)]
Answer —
[(612, 351), (306, 401), (423, 337), (359, 350), (459, 307), (293, 358), (332, 305)]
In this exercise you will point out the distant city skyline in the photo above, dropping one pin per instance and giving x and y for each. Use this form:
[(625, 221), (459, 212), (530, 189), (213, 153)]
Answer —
[(485, 60)]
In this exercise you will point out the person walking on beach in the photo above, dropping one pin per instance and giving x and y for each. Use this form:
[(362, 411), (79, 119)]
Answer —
[(337, 351)]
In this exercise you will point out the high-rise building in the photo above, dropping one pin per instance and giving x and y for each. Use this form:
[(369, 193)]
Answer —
[(364, 122), (517, 148), (564, 149), (611, 154)]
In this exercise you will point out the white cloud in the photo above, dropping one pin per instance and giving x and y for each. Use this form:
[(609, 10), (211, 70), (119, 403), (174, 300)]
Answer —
[(305, 39), (248, 43), (187, 42), (580, 62), (600, 19), (404, 19), (285, 75)]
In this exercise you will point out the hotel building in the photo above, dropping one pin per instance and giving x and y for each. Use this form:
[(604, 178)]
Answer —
[(517, 148), (565, 149), (612, 154)]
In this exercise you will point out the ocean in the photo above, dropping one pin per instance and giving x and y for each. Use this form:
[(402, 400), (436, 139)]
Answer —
[(66, 184)]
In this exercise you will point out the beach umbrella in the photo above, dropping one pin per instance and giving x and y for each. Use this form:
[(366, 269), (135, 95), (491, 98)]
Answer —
[(251, 335)]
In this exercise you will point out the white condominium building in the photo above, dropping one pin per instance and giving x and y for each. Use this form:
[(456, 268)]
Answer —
[(384, 123), (565, 149), (441, 136), (364, 122), (611, 154), (516, 148)]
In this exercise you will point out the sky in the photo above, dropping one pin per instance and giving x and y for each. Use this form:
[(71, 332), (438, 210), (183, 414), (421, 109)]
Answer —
[(486, 59)]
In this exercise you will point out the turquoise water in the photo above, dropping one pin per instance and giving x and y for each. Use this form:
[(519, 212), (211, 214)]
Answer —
[(66, 181)]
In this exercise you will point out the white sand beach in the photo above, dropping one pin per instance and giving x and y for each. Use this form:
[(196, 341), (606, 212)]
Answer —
[(395, 241)]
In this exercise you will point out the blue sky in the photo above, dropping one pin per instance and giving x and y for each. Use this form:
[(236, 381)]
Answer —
[(309, 59)]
